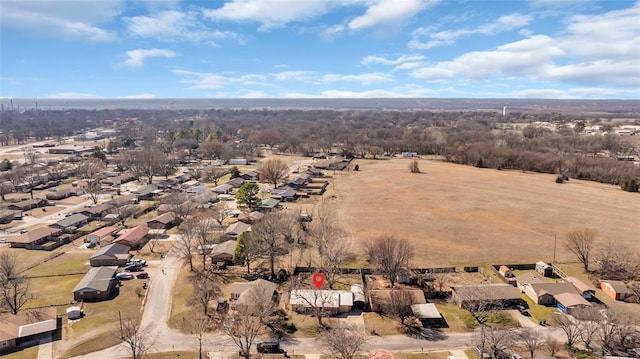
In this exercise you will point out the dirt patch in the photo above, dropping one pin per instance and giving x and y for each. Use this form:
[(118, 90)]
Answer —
[(463, 215)]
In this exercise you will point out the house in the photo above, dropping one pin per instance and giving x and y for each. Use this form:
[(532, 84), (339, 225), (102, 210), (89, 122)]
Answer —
[(118, 180), (238, 162), (102, 235), (616, 289), (428, 315), (71, 149), (269, 204), (380, 299), (222, 189), (163, 221), (251, 217), (545, 293), (27, 328), (97, 211), (246, 293), (34, 237), (71, 223), (28, 204), (8, 215), (236, 182), (528, 278), (64, 193), (147, 192), (235, 229), (115, 254), (498, 295), (331, 301), (284, 193), (314, 172), (567, 302), (124, 200), (133, 237), (585, 290), (196, 189), (98, 284), (221, 252), (252, 176), (299, 181)]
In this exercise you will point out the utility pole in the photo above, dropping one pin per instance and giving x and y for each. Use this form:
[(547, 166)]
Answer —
[(555, 240), (121, 331)]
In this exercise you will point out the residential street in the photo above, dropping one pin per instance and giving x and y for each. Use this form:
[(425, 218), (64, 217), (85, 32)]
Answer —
[(158, 307)]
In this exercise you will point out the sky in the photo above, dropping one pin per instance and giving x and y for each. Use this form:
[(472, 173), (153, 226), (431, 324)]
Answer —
[(559, 49)]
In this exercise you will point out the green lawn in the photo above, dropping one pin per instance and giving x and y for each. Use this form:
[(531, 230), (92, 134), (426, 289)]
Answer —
[(67, 263), (28, 353), (459, 320)]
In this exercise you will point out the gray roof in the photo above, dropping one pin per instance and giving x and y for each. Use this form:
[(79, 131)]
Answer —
[(98, 278), (553, 288), (115, 250), (237, 228), (71, 220), (486, 292), (425, 311)]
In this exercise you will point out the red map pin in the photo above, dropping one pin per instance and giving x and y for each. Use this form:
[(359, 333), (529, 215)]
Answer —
[(318, 280)]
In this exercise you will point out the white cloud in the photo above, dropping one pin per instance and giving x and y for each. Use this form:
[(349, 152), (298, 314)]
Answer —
[(79, 19), (389, 12), (211, 81), (254, 94), (526, 57), (448, 37), (330, 33), (270, 13), (559, 3), (173, 25), (136, 58), (364, 79), (70, 95), (372, 59), (140, 96), (294, 75)]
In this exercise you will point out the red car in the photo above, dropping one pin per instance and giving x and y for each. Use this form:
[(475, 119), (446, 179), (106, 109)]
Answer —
[(143, 275)]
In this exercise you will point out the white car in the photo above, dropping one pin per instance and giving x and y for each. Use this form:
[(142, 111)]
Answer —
[(124, 275)]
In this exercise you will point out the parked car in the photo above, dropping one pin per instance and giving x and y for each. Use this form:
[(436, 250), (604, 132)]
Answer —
[(523, 310), (139, 261), (124, 275), (133, 268), (516, 356), (269, 347), (143, 275)]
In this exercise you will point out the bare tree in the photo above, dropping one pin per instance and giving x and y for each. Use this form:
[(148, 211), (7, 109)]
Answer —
[(243, 327), (496, 341), (269, 236), (274, 171), (124, 212), (220, 212), (147, 162), (580, 242), (180, 204), (198, 325), (570, 328), (390, 256), (205, 289), (400, 302), (613, 261), (15, 287), (531, 339), (215, 174), (553, 346), (333, 247), (30, 170), (187, 243), (589, 330), (246, 251), (316, 301), (138, 340), (91, 171), (344, 342), (203, 233)]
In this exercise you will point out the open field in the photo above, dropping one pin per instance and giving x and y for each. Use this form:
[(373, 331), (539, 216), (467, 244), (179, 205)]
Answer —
[(457, 215)]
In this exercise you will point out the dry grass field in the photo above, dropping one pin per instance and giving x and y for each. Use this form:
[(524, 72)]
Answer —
[(458, 215)]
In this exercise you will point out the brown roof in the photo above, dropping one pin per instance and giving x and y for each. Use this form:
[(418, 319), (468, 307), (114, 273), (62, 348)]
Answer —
[(132, 235), (102, 232), (164, 218), (569, 300), (28, 323), (553, 288), (34, 235), (581, 286), (617, 285)]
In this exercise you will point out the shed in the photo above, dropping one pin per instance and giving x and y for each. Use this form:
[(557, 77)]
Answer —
[(544, 269), (616, 289), (428, 315), (505, 272)]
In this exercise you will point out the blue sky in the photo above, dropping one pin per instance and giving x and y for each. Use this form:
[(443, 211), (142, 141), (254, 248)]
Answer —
[(320, 48)]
